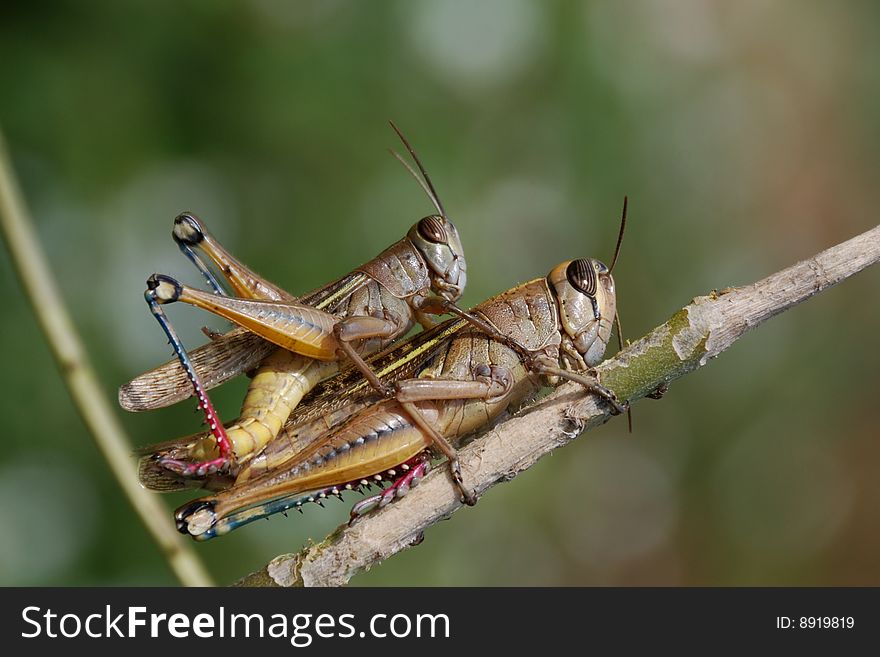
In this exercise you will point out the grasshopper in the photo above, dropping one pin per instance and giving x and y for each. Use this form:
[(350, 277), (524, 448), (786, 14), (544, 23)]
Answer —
[(354, 316), (448, 382)]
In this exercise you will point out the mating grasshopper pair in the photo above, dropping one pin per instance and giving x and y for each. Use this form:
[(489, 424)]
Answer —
[(378, 419)]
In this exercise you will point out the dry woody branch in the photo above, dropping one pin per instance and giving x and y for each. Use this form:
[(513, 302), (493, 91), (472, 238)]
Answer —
[(685, 342)]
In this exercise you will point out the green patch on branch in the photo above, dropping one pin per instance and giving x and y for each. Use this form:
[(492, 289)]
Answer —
[(652, 361)]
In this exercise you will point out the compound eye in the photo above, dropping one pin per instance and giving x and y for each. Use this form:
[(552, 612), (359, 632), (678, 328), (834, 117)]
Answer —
[(432, 229), (582, 276)]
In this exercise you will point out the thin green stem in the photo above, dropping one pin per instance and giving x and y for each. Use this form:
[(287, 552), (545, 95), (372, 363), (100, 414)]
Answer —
[(42, 292)]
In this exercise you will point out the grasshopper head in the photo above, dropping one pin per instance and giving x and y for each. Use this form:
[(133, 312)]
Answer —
[(587, 304), (437, 240)]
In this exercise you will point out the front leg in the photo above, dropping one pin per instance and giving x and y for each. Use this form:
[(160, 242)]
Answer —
[(591, 383)]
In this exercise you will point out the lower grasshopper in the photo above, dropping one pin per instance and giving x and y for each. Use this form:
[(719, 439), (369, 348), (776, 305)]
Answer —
[(448, 382), (351, 317)]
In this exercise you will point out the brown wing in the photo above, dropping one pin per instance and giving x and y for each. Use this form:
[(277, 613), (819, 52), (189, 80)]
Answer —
[(156, 478), (216, 362)]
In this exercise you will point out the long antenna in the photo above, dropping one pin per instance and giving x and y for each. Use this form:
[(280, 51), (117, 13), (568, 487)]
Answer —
[(629, 417), (619, 236), (433, 192), (421, 182)]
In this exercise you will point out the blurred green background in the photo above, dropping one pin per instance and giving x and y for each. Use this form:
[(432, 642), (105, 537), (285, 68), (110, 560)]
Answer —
[(745, 135)]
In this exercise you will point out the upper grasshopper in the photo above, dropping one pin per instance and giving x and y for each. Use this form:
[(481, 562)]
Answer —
[(448, 382), (352, 317)]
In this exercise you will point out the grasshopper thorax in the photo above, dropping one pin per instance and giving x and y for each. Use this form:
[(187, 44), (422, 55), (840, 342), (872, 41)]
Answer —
[(437, 241), (584, 290)]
